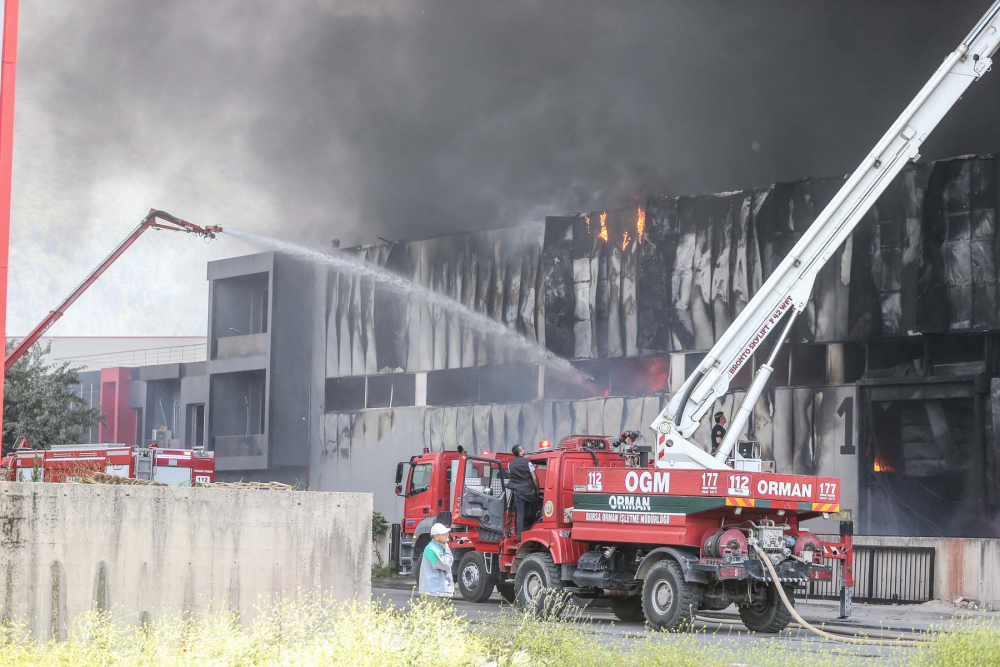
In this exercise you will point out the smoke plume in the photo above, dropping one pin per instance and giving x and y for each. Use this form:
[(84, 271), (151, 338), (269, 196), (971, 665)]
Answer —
[(318, 120)]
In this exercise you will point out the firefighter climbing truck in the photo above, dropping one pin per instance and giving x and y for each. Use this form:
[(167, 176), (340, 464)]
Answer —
[(659, 544), (687, 529)]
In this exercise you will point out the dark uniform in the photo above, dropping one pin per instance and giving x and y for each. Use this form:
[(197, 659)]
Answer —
[(718, 435), (523, 486)]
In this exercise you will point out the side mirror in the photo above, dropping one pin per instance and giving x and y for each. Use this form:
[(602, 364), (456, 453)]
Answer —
[(399, 489), (399, 474)]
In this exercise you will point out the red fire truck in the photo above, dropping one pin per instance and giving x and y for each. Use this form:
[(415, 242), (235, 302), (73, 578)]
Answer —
[(63, 463), (659, 544)]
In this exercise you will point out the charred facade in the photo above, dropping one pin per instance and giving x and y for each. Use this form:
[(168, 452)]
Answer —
[(889, 380)]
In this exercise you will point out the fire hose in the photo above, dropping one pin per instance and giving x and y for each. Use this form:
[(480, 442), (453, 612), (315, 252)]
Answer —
[(847, 632), (898, 640)]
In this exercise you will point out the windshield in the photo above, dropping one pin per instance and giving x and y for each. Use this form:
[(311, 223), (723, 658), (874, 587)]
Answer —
[(420, 478)]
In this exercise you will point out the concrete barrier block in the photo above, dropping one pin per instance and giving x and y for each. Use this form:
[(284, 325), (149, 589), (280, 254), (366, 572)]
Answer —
[(142, 551)]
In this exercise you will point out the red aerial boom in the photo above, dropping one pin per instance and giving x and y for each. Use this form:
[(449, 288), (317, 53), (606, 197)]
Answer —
[(154, 220), (8, 71)]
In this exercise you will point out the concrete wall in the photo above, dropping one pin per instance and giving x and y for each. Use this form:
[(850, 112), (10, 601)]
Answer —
[(142, 550)]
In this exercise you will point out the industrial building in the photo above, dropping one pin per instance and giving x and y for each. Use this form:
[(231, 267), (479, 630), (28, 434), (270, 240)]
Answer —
[(890, 380)]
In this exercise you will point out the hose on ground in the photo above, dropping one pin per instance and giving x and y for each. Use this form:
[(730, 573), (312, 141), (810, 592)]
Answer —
[(847, 632), (912, 643)]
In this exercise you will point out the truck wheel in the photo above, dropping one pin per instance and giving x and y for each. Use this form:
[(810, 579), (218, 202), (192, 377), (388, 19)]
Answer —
[(628, 609), (670, 602), (767, 613), (505, 589), (537, 581), (474, 583), (418, 558)]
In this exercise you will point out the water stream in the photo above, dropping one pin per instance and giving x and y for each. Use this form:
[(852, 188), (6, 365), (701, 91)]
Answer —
[(497, 331)]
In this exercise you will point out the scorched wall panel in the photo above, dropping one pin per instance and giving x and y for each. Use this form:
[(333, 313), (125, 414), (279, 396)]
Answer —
[(372, 329), (923, 260)]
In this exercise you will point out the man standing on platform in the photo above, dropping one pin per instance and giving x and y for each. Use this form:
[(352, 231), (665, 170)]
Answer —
[(718, 431)]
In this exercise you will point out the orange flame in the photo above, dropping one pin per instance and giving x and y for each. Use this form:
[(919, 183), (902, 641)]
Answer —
[(587, 218), (640, 226), (625, 240), (881, 465), (604, 227)]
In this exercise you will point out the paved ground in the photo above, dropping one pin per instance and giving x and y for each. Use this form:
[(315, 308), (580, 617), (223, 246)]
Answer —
[(867, 619)]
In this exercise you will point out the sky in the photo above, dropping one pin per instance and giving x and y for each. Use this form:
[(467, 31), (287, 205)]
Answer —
[(313, 120)]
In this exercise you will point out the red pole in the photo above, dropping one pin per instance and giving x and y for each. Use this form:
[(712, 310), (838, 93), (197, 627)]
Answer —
[(8, 71)]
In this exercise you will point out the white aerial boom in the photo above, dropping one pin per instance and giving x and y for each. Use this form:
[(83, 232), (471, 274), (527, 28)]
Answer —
[(786, 291)]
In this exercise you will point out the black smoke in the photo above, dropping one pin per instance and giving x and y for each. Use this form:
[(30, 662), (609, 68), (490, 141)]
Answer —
[(407, 119)]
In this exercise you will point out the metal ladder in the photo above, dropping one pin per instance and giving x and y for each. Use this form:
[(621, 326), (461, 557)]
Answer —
[(145, 463)]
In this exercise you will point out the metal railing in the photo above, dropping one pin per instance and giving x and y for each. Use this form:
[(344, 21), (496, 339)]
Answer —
[(177, 354), (885, 575)]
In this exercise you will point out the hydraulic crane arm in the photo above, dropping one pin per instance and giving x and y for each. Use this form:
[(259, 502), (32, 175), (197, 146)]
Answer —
[(786, 291), (154, 220)]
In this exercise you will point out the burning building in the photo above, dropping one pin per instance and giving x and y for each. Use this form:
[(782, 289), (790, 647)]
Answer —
[(889, 381)]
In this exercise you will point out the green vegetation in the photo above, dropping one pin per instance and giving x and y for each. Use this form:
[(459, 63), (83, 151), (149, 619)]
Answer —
[(38, 402), (384, 571), (977, 644), (317, 632), (379, 567)]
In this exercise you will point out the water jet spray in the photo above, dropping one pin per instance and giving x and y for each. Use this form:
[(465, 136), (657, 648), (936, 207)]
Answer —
[(392, 281)]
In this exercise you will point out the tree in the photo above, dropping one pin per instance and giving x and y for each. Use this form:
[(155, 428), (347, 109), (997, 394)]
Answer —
[(39, 402)]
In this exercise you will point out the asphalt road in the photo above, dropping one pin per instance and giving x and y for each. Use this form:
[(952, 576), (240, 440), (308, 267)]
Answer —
[(608, 628)]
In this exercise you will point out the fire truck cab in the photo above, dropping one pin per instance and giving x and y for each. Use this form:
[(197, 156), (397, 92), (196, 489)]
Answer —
[(426, 482)]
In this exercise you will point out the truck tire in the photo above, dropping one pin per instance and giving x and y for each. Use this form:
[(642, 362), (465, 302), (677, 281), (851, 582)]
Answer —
[(767, 613), (505, 589), (474, 583), (536, 575), (628, 609), (670, 602), (418, 557)]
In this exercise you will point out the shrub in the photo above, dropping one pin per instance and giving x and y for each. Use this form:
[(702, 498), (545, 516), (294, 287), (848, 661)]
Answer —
[(384, 571), (379, 527)]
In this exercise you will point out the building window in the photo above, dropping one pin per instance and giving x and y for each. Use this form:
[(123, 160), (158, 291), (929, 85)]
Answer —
[(640, 376), (854, 362), (391, 390), (510, 383), (458, 386), (345, 394), (240, 307), (898, 356), (956, 350), (558, 387), (808, 365), (196, 425)]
